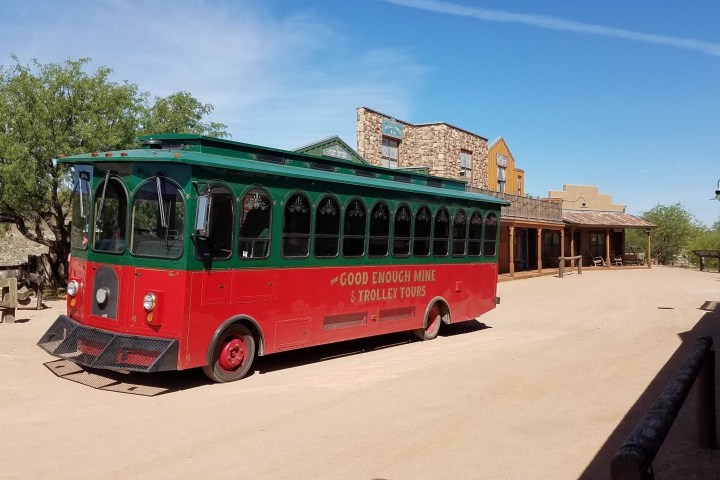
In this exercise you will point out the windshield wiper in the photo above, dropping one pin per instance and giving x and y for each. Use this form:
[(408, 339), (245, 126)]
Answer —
[(102, 198), (163, 219)]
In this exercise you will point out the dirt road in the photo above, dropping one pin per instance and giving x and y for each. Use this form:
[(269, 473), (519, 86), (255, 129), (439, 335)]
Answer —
[(546, 386)]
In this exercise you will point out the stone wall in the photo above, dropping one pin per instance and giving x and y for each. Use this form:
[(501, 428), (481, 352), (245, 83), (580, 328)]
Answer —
[(436, 146)]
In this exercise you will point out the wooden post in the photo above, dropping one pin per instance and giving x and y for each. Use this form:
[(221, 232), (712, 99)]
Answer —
[(572, 245), (539, 250), (562, 242), (512, 250), (607, 248), (649, 260)]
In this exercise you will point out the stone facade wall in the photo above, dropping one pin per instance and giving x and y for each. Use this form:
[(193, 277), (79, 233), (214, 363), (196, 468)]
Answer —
[(436, 146)]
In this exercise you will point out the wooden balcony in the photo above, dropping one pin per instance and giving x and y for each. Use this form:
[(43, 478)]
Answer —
[(526, 208)]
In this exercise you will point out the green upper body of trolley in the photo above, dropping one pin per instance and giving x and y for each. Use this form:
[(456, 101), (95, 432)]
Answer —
[(188, 164)]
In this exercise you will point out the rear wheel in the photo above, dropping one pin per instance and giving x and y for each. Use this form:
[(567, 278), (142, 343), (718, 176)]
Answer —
[(233, 354), (432, 324)]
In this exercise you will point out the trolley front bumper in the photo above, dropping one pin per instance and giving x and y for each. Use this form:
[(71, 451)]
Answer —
[(98, 348)]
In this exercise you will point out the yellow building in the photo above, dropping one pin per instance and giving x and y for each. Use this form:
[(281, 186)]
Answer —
[(503, 175)]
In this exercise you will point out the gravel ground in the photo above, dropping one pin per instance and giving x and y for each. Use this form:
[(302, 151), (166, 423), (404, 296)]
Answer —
[(547, 386)]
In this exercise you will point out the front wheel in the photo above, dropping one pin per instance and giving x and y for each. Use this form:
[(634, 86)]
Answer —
[(233, 354), (432, 325)]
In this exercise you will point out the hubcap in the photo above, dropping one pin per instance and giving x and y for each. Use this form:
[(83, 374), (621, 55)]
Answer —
[(232, 355)]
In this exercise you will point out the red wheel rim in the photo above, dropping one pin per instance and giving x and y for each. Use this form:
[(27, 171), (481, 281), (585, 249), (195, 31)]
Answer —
[(232, 354), (433, 320)]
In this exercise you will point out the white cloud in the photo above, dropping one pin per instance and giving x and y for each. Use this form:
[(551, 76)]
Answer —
[(554, 23), (277, 79)]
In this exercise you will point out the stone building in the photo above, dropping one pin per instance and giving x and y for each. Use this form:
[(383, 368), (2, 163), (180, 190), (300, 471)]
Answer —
[(444, 150)]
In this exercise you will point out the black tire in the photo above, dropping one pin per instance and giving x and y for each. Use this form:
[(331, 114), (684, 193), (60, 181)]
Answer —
[(431, 327), (233, 355)]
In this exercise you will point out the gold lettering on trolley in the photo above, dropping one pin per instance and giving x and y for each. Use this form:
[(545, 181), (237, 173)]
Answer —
[(393, 284)]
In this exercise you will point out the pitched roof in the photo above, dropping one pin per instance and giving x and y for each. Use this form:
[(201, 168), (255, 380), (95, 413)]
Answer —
[(604, 219)]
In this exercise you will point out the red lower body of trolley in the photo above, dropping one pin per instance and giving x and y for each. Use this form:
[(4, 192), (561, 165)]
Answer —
[(220, 319)]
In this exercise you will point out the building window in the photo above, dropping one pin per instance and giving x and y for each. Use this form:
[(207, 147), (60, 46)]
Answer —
[(465, 164), (390, 152), (501, 178), (597, 244), (519, 185)]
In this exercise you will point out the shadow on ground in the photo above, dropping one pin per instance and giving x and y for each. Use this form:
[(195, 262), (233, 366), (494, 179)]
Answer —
[(153, 384), (680, 457)]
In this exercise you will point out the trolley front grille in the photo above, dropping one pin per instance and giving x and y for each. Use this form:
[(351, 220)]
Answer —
[(97, 348)]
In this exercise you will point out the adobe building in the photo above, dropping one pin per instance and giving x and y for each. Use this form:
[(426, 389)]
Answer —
[(595, 227)]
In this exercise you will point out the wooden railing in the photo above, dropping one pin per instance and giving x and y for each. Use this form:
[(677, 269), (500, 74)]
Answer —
[(525, 207), (633, 461)]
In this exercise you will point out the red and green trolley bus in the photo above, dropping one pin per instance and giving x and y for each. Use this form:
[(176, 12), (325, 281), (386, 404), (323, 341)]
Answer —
[(201, 252)]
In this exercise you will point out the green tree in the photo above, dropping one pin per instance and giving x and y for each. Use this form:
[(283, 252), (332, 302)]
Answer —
[(48, 110), (45, 111), (676, 228), (180, 113)]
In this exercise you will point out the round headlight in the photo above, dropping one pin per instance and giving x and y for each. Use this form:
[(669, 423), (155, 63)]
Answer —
[(101, 296), (72, 288), (149, 302)]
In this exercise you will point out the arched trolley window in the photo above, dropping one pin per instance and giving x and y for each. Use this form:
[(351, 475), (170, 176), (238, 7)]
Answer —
[(441, 233), (296, 226), (158, 219), (475, 234), (327, 228), (490, 235), (216, 240), (402, 231), (459, 233), (379, 230), (110, 216), (354, 229), (422, 232), (255, 223)]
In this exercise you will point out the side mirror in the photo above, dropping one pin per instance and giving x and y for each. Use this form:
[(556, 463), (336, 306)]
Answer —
[(202, 216)]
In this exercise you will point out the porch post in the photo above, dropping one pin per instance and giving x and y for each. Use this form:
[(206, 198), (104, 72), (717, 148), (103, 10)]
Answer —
[(562, 242), (572, 245), (512, 250), (607, 248), (539, 249), (649, 260)]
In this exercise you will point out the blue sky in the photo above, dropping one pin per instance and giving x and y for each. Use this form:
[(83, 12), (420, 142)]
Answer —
[(622, 95)]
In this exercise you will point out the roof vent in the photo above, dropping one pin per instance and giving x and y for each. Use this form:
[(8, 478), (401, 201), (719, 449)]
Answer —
[(153, 144)]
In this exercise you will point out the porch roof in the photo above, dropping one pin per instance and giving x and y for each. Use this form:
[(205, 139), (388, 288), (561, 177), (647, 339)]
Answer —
[(604, 219)]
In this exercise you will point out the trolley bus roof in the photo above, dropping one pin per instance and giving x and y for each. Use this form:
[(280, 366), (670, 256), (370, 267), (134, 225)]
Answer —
[(219, 153)]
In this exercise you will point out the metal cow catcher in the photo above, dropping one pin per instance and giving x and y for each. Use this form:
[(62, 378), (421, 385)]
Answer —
[(199, 252)]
